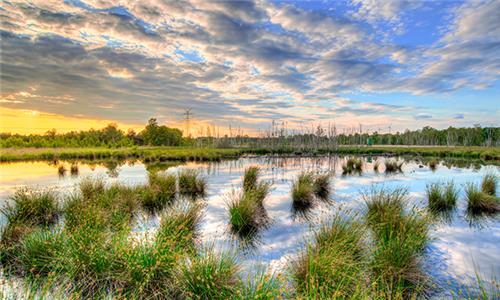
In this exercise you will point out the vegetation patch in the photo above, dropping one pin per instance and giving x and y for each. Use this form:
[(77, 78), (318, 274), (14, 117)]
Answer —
[(441, 196), (479, 201), (353, 165)]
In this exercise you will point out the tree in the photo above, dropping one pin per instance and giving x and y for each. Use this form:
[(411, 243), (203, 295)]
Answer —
[(155, 135)]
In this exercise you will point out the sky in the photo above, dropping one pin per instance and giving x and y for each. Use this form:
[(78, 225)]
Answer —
[(379, 65)]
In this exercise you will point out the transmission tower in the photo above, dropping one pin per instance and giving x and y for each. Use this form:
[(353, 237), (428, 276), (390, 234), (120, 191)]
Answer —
[(188, 115)]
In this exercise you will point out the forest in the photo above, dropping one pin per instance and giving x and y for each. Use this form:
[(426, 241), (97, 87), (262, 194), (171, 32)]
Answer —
[(159, 135)]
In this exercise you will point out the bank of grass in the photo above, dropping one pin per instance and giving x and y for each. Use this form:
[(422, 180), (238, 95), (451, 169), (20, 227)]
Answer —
[(154, 154)]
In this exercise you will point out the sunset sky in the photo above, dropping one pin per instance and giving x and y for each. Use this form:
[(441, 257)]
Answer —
[(74, 65)]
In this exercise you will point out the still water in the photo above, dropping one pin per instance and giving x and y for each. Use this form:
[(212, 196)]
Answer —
[(461, 246)]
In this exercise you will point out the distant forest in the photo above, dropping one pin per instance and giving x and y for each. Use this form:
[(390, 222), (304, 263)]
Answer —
[(159, 135)]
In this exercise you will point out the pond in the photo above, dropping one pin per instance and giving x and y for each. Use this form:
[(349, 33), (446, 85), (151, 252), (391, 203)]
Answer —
[(461, 246)]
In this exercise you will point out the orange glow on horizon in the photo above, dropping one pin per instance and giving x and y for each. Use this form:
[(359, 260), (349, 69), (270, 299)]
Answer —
[(24, 121)]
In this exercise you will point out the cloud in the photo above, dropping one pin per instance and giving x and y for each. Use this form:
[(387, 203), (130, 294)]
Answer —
[(459, 117), (423, 116), (250, 61)]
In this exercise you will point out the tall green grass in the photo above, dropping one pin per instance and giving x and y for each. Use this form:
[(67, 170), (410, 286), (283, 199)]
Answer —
[(250, 178), (246, 212), (210, 275), (159, 193), (441, 196), (333, 266), (489, 184), (191, 183), (399, 239), (303, 189), (479, 201)]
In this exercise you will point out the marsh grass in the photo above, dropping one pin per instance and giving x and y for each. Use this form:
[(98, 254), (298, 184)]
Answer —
[(393, 165), (399, 239), (159, 193), (303, 189), (433, 164), (191, 183), (263, 285), (479, 201), (61, 170), (250, 178), (32, 207), (334, 264), (441, 196), (489, 184), (210, 275), (246, 213), (74, 169), (376, 166), (352, 165), (321, 186)]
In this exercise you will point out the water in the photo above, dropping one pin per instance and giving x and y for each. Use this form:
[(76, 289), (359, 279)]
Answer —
[(461, 246)]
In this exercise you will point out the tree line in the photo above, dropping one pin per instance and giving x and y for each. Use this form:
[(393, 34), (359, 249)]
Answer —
[(279, 137)]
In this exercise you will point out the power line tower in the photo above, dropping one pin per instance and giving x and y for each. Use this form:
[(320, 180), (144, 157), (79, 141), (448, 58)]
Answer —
[(188, 115)]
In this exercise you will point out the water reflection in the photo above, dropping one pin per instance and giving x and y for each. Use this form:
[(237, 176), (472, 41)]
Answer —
[(460, 239)]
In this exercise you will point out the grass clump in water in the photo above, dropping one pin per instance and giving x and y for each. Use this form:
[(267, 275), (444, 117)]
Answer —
[(441, 197), (32, 207), (250, 178), (191, 183), (246, 212), (399, 239), (303, 189), (353, 164), (433, 164), (210, 275), (321, 186), (479, 201), (489, 184), (393, 166), (159, 193), (334, 264)]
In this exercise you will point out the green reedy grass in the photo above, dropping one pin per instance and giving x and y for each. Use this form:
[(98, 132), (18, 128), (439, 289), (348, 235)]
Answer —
[(32, 207), (393, 165), (303, 189), (250, 178), (191, 183), (91, 187), (441, 196), (479, 201), (263, 286), (210, 275), (243, 212), (399, 239), (353, 164), (433, 164), (159, 193), (489, 184), (39, 252), (334, 265), (179, 225), (321, 186)]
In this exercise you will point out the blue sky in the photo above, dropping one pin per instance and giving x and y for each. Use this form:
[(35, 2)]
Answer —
[(404, 64)]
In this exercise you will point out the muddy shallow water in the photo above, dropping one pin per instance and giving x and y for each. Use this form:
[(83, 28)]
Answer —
[(461, 246)]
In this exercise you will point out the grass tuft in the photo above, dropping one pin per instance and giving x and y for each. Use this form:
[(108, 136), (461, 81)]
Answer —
[(210, 275), (159, 193), (441, 197), (334, 264), (303, 189), (489, 184), (321, 186), (353, 164), (32, 207), (250, 178), (479, 201), (393, 165), (191, 183)]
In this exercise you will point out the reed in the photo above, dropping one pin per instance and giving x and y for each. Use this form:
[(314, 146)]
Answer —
[(191, 183), (441, 197), (479, 201), (303, 189), (489, 184), (250, 178)]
